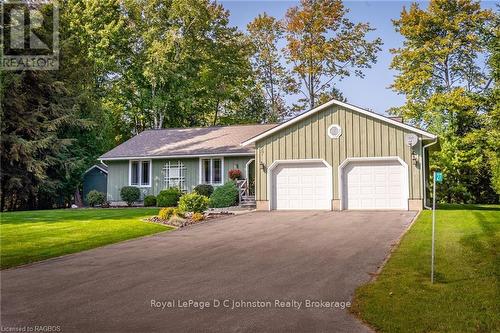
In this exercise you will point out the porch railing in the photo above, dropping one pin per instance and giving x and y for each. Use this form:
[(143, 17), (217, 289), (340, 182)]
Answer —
[(242, 188)]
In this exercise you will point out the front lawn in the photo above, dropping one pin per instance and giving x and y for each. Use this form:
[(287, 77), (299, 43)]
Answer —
[(36, 235), (465, 296)]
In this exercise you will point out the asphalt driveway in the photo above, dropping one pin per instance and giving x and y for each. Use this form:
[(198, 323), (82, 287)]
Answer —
[(253, 260)]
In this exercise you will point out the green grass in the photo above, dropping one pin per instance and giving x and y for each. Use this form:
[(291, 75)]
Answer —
[(465, 296), (36, 235)]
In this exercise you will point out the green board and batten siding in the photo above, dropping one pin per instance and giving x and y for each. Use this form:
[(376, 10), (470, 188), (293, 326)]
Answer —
[(118, 174), (236, 162), (117, 178), (362, 136)]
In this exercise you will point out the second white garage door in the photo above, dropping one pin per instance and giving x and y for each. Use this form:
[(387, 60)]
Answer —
[(375, 185), (301, 186)]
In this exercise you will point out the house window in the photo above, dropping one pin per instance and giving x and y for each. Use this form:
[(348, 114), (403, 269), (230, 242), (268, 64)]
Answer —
[(134, 174), (175, 174), (140, 173), (211, 171)]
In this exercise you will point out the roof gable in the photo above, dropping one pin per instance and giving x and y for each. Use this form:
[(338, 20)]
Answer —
[(101, 167), (342, 104)]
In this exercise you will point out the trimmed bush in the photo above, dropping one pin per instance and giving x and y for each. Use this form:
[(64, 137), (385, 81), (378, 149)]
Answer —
[(193, 202), (197, 217), (166, 213), (130, 194), (96, 198), (169, 197), (224, 196), (149, 201), (204, 189)]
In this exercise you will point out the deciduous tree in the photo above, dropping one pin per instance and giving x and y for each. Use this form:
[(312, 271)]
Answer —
[(323, 45), (265, 32), (442, 73)]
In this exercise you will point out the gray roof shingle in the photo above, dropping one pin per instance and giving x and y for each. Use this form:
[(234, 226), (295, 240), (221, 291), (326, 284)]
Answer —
[(188, 141)]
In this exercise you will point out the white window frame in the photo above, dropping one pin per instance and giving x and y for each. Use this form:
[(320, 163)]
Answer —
[(211, 158), (140, 173), (182, 173)]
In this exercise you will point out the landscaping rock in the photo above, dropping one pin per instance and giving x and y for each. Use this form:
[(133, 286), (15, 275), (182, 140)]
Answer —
[(180, 222)]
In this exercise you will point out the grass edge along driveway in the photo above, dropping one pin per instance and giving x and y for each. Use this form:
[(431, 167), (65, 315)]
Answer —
[(464, 297), (31, 236)]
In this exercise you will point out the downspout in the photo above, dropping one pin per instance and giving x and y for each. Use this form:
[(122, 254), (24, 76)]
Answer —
[(423, 170)]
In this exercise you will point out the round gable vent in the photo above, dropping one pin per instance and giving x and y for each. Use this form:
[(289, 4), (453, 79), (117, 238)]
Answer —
[(334, 131)]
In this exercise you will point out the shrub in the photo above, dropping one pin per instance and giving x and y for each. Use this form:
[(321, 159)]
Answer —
[(197, 217), (130, 194), (166, 213), (149, 201), (169, 197), (193, 202), (95, 198), (234, 174), (204, 189), (224, 196)]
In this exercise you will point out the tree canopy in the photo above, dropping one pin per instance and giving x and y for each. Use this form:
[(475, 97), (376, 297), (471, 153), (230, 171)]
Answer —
[(323, 45), (451, 92), (131, 65)]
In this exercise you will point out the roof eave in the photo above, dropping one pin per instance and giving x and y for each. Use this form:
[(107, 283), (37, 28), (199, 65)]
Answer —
[(95, 166), (118, 158)]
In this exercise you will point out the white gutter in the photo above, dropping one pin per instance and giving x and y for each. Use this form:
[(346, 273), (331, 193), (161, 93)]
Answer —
[(423, 170), (171, 156)]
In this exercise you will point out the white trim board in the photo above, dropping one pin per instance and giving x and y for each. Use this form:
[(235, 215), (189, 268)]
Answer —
[(247, 175), (96, 166), (345, 105), (348, 160), (172, 156)]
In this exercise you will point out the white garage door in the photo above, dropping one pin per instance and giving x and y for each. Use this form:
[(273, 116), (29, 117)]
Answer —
[(301, 186), (375, 185)]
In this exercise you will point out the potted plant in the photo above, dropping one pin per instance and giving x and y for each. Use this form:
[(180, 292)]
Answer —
[(234, 174)]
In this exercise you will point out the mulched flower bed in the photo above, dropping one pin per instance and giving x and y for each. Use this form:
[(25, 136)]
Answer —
[(179, 222)]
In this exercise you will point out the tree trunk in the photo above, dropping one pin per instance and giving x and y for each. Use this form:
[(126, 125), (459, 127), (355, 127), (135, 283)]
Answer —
[(311, 91), (2, 196), (78, 198), (216, 112)]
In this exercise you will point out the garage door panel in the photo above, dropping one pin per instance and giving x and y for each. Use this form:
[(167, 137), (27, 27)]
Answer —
[(374, 185), (301, 186), (308, 191), (366, 190)]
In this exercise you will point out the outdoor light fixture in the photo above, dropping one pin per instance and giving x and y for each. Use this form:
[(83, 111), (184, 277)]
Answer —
[(414, 157), (262, 166)]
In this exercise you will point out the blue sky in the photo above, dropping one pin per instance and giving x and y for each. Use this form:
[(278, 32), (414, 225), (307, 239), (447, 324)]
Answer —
[(373, 91)]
